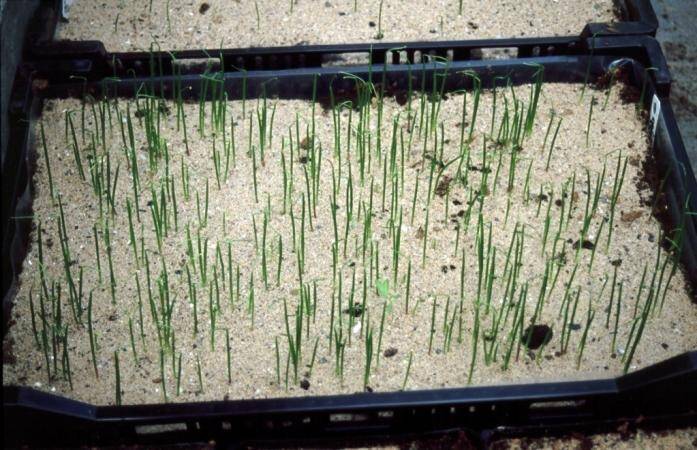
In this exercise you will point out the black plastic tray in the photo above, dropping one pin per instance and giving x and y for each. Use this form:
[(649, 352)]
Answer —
[(659, 395), (636, 17)]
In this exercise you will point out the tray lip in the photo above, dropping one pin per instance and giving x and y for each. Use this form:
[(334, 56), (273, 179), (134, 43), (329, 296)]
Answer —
[(19, 396), (643, 20), (90, 59), (684, 364), (592, 406)]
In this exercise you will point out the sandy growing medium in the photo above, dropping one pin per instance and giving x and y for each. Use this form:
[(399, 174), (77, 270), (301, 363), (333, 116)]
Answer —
[(682, 439), (129, 25), (444, 289)]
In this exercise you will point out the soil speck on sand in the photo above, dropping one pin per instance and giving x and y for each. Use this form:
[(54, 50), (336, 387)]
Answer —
[(356, 310), (443, 186), (390, 352), (630, 216), (535, 336), (586, 244)]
